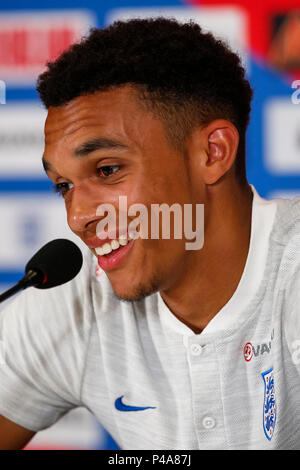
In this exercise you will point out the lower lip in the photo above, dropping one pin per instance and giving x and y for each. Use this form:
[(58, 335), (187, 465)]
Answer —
[(115, 257)]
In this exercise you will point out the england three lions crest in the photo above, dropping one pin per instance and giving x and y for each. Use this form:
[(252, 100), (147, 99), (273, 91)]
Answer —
[(269, 408)]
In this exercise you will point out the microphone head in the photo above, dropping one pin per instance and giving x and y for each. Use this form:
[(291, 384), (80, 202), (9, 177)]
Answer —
[(55, 263)]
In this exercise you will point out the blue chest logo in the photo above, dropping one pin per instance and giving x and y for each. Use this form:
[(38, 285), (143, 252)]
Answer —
[(122, 407), (269, 407)]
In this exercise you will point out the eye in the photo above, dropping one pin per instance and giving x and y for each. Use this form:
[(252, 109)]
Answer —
[(62, 188), (107, 170), (104, 172)]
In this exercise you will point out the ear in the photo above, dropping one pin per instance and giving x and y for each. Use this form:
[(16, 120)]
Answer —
[(215, 146)]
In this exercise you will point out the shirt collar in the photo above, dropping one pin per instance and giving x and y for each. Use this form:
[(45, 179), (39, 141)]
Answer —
[(262, 220)]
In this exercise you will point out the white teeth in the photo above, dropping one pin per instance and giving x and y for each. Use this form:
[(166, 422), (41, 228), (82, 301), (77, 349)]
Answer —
[(99, 250), (131, 235), (106, 248), (123, 240), (113, 245)]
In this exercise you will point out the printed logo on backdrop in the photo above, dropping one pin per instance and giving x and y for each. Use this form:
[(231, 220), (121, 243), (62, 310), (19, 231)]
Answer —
[(32, 38), (281, 130), (21, 140), (29, 220), (284, 51), (295, 98), (28, 226), (269, 406)]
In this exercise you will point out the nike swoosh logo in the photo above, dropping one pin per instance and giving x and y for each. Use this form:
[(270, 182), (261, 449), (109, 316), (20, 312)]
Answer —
[(122, 407)]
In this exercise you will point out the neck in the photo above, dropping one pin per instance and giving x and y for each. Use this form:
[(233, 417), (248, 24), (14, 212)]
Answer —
[(212, 274)]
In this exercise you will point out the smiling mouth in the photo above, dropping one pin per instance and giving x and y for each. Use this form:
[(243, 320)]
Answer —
[(111, 254), (112, 246)]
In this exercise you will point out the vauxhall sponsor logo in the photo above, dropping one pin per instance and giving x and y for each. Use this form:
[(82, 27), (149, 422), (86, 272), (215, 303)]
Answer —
[(251, 350)]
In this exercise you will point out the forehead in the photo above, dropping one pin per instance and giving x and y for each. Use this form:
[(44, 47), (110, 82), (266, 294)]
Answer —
[(114, 113)]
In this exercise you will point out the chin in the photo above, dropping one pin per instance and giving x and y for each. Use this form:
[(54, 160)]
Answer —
[(136, 291)]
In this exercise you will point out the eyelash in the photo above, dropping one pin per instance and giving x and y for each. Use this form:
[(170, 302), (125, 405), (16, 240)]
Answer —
[(63, 188)]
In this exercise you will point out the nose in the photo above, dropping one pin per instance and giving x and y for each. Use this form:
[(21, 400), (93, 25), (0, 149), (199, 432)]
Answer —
[(81, 209)]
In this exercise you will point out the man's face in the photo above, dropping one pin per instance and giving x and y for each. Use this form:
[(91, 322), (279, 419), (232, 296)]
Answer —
[(105, 145)]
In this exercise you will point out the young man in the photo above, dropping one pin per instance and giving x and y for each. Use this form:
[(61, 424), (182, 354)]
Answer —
[(169, 348)]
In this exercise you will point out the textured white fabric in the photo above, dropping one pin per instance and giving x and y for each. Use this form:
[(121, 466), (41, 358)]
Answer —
[(78, 345)]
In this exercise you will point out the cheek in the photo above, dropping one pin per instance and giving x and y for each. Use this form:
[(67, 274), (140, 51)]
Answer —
[(162, 252), (159, 214)]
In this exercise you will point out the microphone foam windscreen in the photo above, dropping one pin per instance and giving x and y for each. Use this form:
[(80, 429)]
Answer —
[(59, 261)]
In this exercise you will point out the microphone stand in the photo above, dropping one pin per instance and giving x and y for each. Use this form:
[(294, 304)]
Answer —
[(31, 278)]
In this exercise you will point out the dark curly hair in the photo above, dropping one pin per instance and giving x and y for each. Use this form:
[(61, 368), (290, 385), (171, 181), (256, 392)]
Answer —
[(185, 76)]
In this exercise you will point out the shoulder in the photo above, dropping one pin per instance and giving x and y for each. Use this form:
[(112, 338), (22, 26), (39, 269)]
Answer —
[(287, 221), (284, 242)]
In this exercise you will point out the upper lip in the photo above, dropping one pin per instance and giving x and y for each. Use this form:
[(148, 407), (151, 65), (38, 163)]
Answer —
[(96, 242)]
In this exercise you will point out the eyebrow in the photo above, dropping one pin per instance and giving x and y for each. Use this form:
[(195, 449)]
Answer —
[(98, 143)]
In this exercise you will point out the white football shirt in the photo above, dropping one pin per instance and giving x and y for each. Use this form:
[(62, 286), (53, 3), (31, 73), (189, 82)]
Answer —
[(151, 381)]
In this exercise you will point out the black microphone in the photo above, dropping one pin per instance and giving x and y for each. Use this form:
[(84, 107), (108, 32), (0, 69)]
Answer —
[(55, 263)]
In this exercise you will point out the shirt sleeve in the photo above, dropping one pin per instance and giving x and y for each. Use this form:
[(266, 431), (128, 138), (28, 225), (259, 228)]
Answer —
[(44, 337)]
